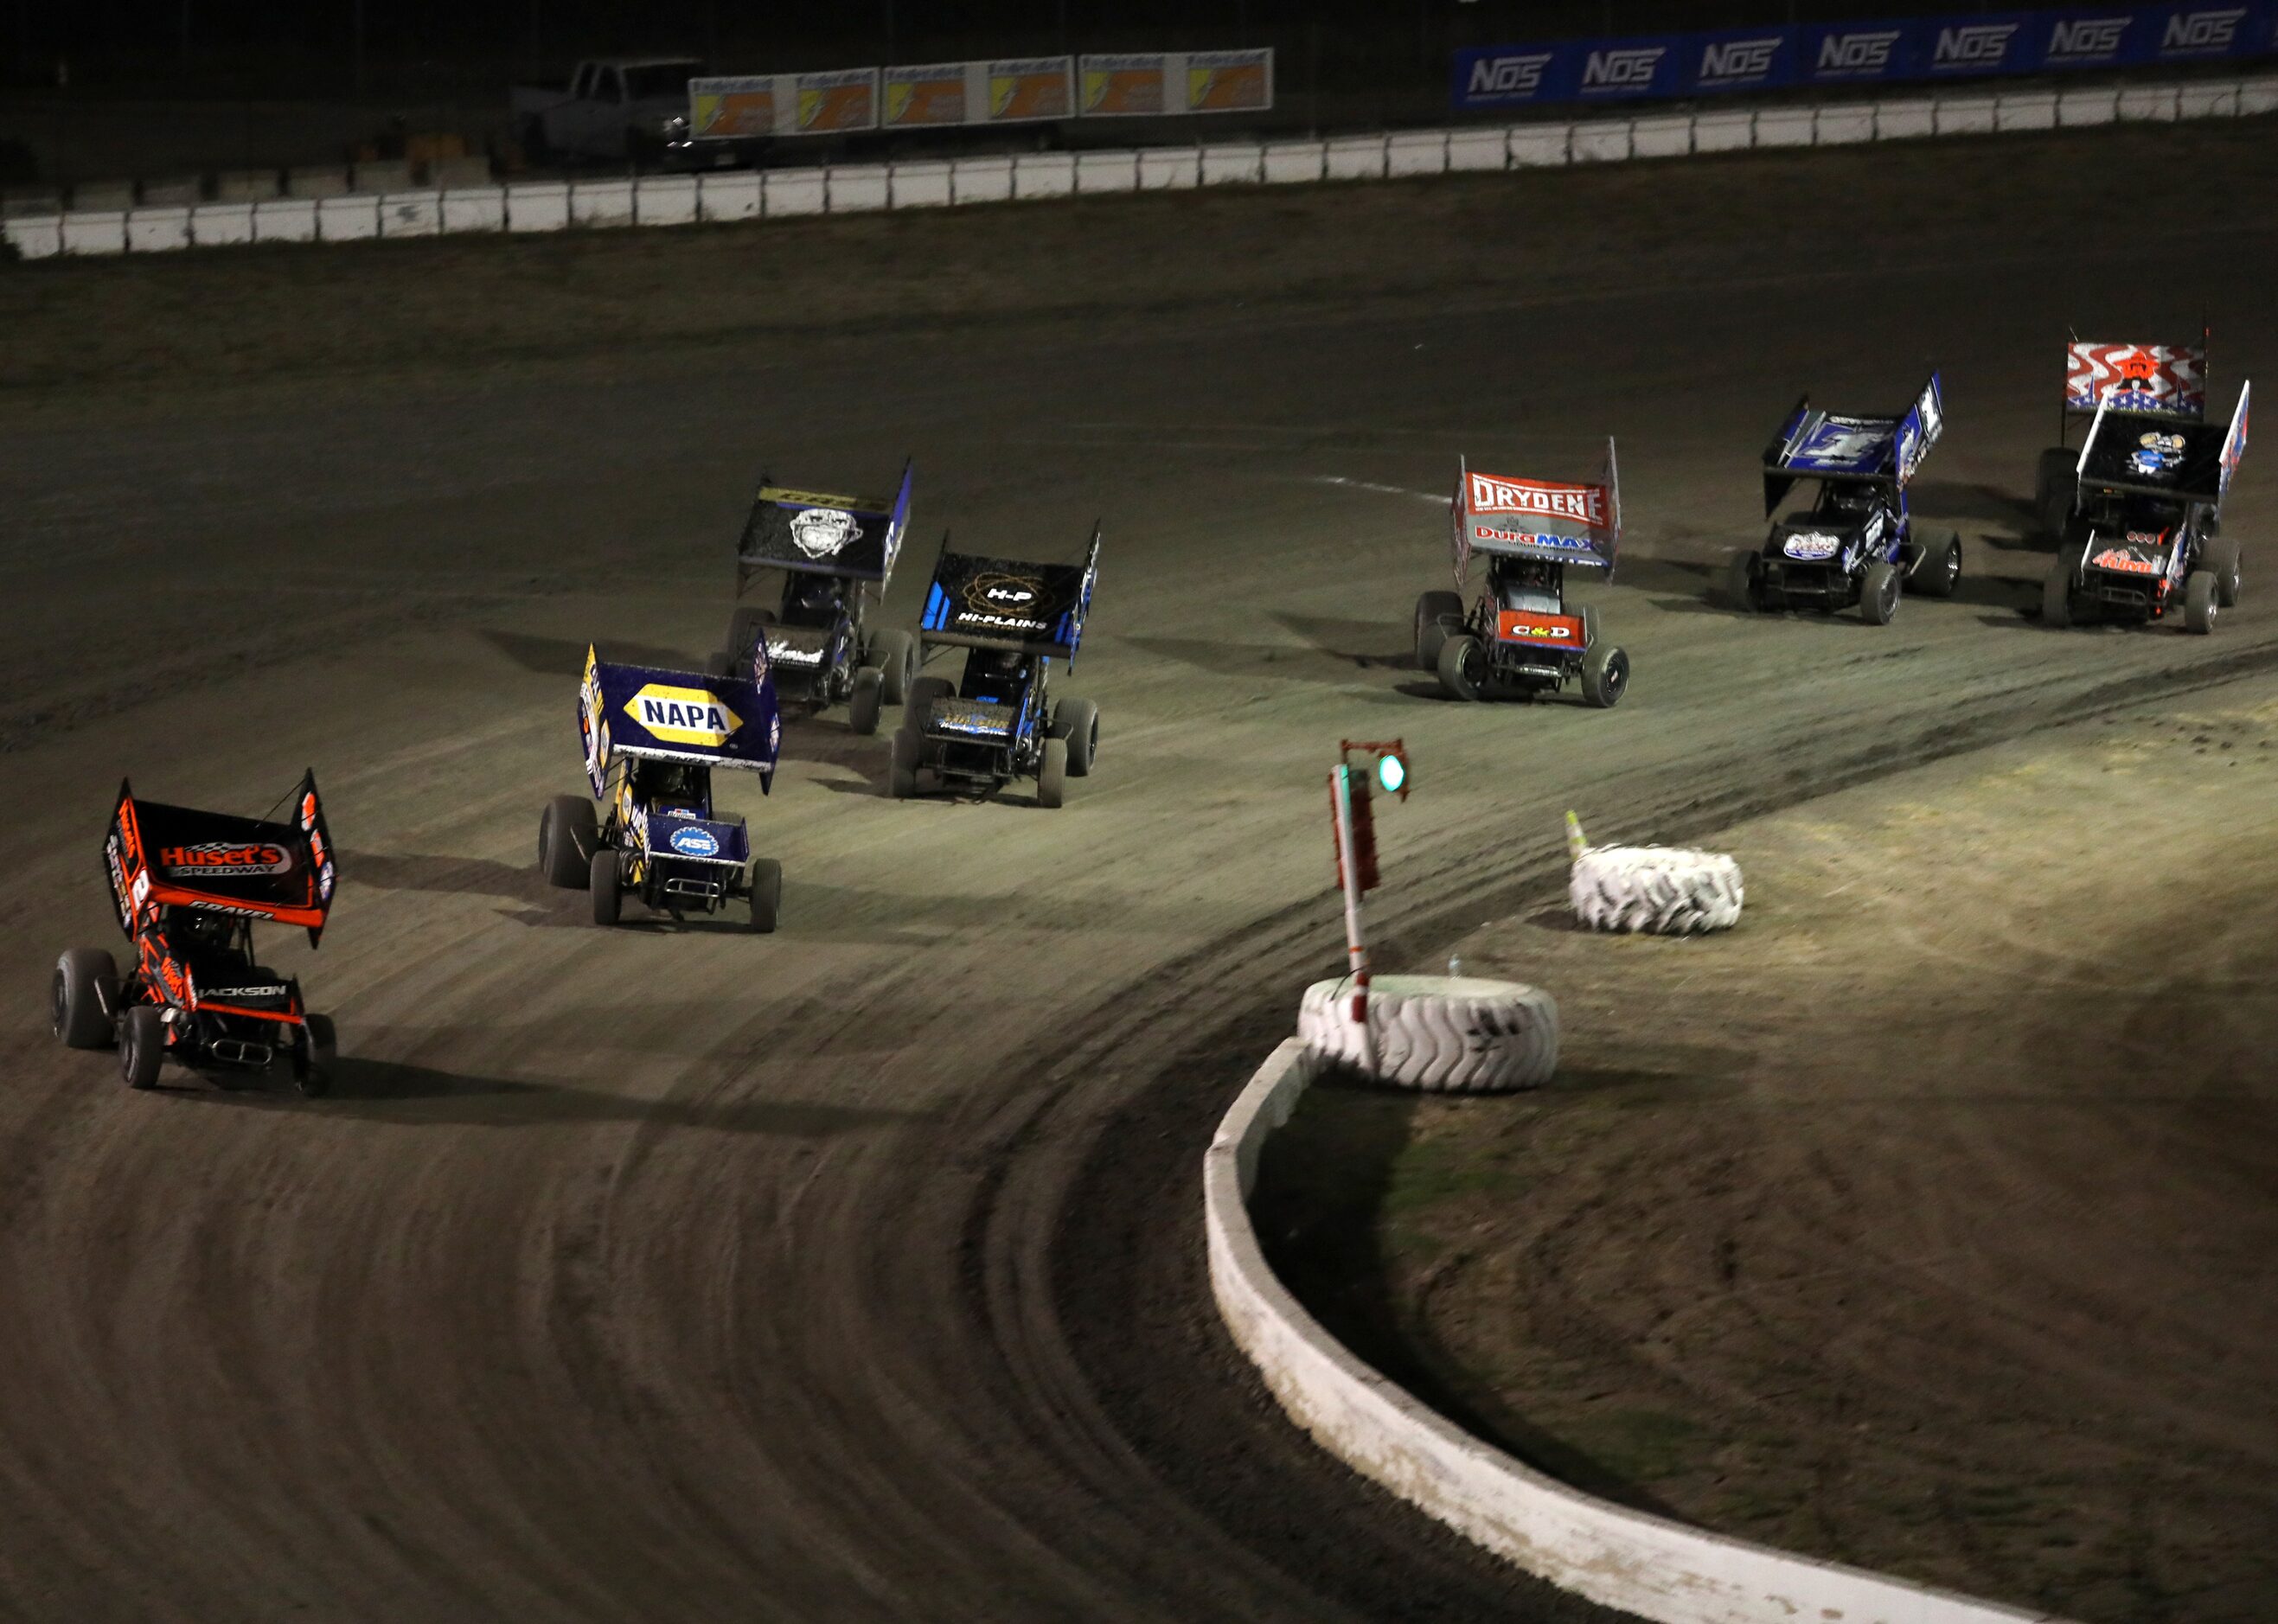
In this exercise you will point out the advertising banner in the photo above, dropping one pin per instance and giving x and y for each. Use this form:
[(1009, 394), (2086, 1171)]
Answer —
[(1738, 59), (923, 97), (1230, 81), (1030, 87), (1127, 87), (831, 102), (721, 108)]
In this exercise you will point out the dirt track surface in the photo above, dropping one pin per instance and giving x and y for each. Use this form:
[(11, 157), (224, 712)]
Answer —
[(1923, 1223), (856, 1272)]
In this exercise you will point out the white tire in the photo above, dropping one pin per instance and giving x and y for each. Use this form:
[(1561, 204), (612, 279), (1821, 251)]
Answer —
[(1663, 890), (1447, 1034)]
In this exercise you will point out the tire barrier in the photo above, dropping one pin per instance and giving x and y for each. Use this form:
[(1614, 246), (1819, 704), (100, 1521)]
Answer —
[(1444, 1035), (1661, 890)]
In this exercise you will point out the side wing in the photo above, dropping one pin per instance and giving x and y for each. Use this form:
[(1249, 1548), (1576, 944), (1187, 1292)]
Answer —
[(2234, 444), (1919, 429), (1458, 524), (1778, 481), (308, 814)]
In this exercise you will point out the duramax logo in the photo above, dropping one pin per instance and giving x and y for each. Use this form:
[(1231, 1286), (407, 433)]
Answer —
[(682, 715), (1731, 61), (1864, 52), (2203, 31), (2095, 39), (1973, 44), (1509, 75), (1630, 68)]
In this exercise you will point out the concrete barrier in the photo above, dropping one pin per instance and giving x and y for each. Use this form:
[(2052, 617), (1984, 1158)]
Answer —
[(1170, 169), (602, 203), (221, 226), (2152, 103), (1478, 151), (1659, 1569), (284, 219), (2257, 96), (95, 231), (731, 196), (40, 203), (469, 172), (157, 231), (1910, 119), (666, 200), (1670, 136), (1233, 165), (246, 185), (924, 185), (353, 218), (34, 236), (1845, 126), (383, 175), (1423, 152), (2026, 112), (981, 180), (472, 208), (1601, 141), (538, 206), (103, 196), (175, 192), (1293, 163), (317, 181), (2099, 104), (856, 189), (1356, 158), (1967, 114), (1786, 126), (1043, 174), (411, 214), (1107, 171), (1531, 146), (1732, 131)]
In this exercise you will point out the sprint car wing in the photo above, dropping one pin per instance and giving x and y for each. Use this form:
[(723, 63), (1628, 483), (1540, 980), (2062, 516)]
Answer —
[(996, 603), (1821, 445), (2159, 453), (2169, 378), (730, 721), (157, 856), (1557, 522), (858, 537)]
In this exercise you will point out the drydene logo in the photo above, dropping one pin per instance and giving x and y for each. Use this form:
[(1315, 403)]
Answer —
[(695, 843), (1737, 61), (1585, 503), (221, 856), (2209, 31), (1857, 53), (2095, 39), (1509, 76), (682, 715), (1974, 45), (1629, 69)]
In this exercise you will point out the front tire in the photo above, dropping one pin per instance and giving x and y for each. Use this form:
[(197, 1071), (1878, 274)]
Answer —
[(1463, 667), (1941, 565), (917, 706), (2201, 591), (1879, 593), (1433, 610), (902, 776), (1740, 574), (608, 886), (567, 833), (314, 1063), (863, 705), (142, 1047), (1052, 773), (2222, 558), (1605, 675), (895, 653), (1079, 725), (86, 999), (767, 894)]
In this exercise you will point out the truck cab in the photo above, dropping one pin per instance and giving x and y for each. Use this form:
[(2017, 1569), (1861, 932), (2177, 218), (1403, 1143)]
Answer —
[(612, 109)]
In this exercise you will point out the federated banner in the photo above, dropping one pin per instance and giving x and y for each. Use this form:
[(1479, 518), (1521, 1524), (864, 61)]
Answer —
[(1977, 44), (831, 102), (1129, 87), (1230, 81), (923, 97), (724, 109), (1027, 88), (1170, 82)]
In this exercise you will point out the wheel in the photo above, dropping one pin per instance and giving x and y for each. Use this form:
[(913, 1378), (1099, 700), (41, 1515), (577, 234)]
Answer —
[(313, 1062), (2201, 591), (1052, 775), (2054, 481), (1879, 593), (745, 626), (767, 894), (1433, 610), (1740, 581), (895, 653), (902, 777), (142, 1047), (566, 834), (1941, 567), (86, 996), (1462, 665), (2056, 596), (1078, 722), (863, 705), (1605, 675), (919, 702), (608, 886), (2222, 558)]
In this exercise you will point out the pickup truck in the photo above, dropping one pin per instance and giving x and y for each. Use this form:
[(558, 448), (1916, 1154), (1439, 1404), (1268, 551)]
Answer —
[(614, 109)]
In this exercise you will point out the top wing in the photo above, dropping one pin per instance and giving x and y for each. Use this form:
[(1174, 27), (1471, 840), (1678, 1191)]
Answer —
[(1550, 520), (2136, 377), (730, 721), (980, 602), (1823, 444), (858, 537), (157, 856), (2162, 455)]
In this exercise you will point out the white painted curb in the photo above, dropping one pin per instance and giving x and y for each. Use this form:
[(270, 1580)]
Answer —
[(1658, 1569)]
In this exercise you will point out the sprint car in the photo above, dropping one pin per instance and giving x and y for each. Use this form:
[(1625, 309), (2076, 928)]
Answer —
[(834, 556), (2149, 379), (651, 739), (998, 721), (1835, 489), (1519, 636), (189, 887), (2145, 527)]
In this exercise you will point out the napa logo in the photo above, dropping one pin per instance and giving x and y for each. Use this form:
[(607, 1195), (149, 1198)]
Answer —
[(695, 843), (684, 715)]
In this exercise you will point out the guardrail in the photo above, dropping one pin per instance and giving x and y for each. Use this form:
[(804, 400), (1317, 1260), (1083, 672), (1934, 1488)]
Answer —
[(851, 188), (1649, 1566)]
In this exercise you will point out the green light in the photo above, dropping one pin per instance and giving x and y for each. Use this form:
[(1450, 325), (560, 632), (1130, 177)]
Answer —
[(1391, 772)]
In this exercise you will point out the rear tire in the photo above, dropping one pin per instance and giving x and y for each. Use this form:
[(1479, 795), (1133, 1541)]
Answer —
[(312, 1073), (1605, 675), (1941, 567), (567, 835), (895, 653), (2200, 592), (2054, 480), (863, 705), (142, 1047), (2222, 558), (608, 886), (918, 705), (1052, 773), (767, 894), (1462, 665), (86, 999), (1879, 593), (1433, 610), (902, 776), (1078, 722), (1741, 572)]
